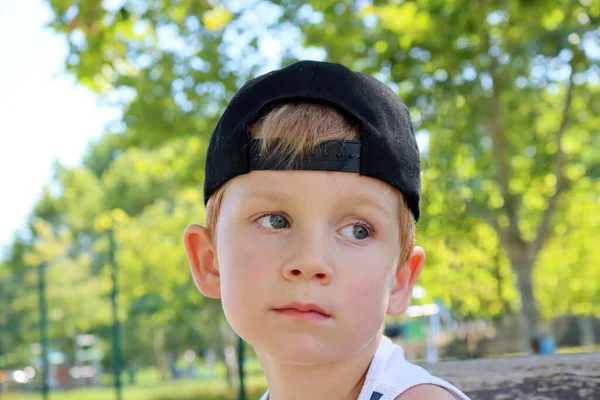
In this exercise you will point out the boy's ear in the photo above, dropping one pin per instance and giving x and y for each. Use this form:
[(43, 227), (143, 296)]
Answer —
[(202, 256), (406, 276)]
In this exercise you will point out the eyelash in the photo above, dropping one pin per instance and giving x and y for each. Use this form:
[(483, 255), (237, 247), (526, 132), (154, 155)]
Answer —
[(364, 224), (256, 219), (368, 227)]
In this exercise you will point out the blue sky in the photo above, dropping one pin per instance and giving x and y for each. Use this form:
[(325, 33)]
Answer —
[(44, 115)]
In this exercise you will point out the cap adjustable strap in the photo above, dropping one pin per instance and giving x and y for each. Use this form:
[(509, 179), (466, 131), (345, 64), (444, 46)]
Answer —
[(338, 155)]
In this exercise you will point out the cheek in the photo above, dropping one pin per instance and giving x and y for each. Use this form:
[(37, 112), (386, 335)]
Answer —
[(243, 268), (367, 290), (242, 281)]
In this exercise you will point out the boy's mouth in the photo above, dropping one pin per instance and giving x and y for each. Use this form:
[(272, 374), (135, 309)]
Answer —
[(303, 310)]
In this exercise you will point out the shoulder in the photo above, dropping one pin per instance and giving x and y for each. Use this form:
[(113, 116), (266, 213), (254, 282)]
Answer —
[(426, 392)]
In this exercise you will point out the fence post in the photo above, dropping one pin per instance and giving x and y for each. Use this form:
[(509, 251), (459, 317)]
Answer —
[(43, 328), (116, 328), (242, 389)]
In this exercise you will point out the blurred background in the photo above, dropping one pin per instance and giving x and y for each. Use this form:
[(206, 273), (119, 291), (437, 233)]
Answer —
[(106, 110)]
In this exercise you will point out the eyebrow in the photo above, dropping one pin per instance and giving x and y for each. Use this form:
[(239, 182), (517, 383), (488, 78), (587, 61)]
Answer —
[(265, 195), (355, 199), (361, 199)]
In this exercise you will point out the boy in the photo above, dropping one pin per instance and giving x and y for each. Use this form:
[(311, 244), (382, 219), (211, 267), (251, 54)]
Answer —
[(312, 188)]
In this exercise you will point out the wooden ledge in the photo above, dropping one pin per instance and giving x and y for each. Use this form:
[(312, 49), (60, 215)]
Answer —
[(560, 376)]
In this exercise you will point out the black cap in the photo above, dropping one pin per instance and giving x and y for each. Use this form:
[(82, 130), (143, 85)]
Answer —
[(388, 149)]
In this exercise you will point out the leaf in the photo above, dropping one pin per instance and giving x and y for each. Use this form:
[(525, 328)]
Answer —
[(217, 18)]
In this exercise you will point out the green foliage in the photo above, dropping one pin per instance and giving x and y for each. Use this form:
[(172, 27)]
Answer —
[(505, 100), (571, 287), (69, 277), (506, 97)]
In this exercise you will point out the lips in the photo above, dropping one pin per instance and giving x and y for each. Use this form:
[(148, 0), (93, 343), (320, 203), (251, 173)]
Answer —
[(303, 308)]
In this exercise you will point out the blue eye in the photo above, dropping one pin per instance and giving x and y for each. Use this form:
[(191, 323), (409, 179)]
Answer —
[(356, 232), (273, 221)]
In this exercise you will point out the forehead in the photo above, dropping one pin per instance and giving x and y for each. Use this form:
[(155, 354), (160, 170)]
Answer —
[(311, 185)]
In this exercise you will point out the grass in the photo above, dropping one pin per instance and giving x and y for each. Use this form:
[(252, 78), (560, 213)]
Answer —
[(179, 389), (579, 349), (149, 386), (561, 350)]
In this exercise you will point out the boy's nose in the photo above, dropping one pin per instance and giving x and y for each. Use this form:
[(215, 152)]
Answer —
[(307, 272), (310, 263)]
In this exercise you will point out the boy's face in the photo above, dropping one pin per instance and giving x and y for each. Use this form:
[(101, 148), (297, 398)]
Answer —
[(311, 237)]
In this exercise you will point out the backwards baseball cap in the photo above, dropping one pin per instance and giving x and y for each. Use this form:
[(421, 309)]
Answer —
[(387, 149)]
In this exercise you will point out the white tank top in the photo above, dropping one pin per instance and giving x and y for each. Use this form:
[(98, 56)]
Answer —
[(390, 375)]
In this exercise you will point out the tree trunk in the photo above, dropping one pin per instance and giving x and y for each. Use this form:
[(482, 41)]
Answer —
[(532, 325), (159, 352), (499, 281), (586, 330)]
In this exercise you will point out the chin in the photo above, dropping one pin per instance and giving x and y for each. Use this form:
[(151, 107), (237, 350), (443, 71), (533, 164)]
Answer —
[(302, 356), (302, 348)]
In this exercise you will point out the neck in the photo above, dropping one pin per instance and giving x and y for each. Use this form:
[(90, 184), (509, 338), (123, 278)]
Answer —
[(341, 379)]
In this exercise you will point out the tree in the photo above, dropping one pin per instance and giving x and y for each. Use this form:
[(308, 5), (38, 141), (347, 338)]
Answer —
[(504, 96), (571, 288), (502, 92), (157, 292), (75, 297)]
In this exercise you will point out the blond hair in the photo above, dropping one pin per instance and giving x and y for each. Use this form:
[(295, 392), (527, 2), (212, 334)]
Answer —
[(291, 130)]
